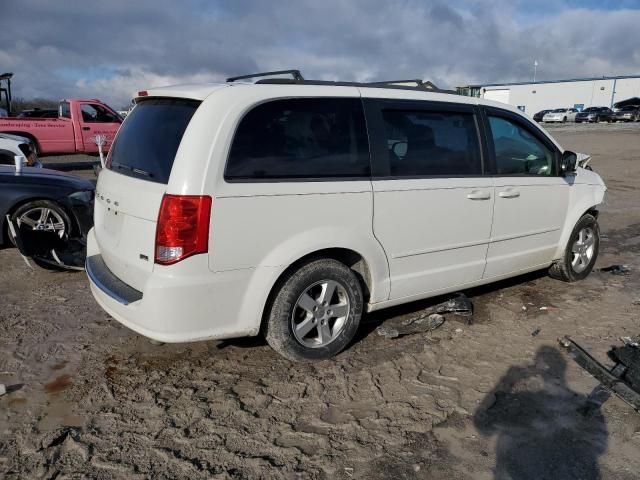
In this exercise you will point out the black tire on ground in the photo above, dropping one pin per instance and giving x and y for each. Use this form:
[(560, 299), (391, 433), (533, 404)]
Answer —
[(278, 329), (563, 268), (564, 119), (41, 204), (597, 120)]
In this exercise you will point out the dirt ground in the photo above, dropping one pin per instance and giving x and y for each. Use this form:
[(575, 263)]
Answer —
[(91, 399)]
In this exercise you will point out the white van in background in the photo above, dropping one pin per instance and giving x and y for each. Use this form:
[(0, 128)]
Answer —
[(292, 207)]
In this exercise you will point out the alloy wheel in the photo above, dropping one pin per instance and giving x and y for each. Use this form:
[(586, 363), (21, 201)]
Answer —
[(320, 314), (43, 219), (583, 249)]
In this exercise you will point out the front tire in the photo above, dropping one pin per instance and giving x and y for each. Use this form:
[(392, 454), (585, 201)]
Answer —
[(581, 252), (42, 215), (315, 312)]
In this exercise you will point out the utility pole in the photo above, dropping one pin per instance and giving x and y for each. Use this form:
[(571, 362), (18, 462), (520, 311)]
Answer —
[(535, 68)]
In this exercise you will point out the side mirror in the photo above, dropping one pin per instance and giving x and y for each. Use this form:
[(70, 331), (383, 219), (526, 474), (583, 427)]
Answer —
[(568, 163)]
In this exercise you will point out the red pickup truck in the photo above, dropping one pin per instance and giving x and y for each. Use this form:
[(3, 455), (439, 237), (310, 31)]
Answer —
[(73, 131)]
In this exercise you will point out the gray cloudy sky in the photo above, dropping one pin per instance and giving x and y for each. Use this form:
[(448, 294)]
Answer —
[(111, 49)]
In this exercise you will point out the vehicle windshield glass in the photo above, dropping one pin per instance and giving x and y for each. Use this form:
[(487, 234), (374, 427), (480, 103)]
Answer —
[(559, 110), (628, 108), (148, 140)]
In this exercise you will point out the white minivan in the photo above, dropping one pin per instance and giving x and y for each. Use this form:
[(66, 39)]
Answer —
[(291, 207)]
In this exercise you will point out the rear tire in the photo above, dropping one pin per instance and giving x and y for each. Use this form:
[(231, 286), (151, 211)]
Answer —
[(581, 251), (315, 312)]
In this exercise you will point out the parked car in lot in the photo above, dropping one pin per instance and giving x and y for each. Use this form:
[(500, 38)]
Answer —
[(538, 116), (595, 114), (290, 208), (73, 131), (560, 115), (47, 201), (13, 145), (630, 113)]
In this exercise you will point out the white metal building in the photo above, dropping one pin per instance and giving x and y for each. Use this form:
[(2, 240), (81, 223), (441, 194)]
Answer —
[(578, 93)]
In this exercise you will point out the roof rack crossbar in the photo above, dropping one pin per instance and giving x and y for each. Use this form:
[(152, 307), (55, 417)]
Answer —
[(295, 74), (417, 81)]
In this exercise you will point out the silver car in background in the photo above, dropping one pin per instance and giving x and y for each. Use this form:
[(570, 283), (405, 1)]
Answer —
[(561, 115)]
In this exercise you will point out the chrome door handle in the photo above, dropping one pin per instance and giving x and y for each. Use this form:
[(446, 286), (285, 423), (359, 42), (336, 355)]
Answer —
[(479, 195), (509, 194)]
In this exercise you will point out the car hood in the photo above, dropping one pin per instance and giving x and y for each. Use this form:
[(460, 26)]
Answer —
[(16, 138), (44, 176)]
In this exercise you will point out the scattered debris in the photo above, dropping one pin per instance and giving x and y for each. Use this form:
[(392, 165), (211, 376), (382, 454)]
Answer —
[(459, 305), (458, 330), (623, 379), (429, 320), (536, 332), (616, 269), (46, 248), (544, 308), (636, 302), (633, 342), (3, 389), (421, 324)]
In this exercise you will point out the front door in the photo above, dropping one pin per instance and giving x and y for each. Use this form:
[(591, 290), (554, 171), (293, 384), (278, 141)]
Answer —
[(97, 120), (432, 205), (531, 198)]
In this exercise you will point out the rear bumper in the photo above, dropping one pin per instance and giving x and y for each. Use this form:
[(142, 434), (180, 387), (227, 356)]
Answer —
[(183, 302)]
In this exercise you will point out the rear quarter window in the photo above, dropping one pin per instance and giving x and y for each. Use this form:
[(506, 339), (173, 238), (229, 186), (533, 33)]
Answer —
[(148, 140), (300, 138)]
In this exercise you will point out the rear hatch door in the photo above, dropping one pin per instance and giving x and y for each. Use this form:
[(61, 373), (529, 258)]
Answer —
[(131, 187)]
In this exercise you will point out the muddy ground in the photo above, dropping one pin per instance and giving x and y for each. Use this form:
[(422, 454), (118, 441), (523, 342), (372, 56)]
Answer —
[(91, 399)]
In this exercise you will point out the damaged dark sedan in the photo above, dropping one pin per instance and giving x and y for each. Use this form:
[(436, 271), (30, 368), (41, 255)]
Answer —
[(46, 214)]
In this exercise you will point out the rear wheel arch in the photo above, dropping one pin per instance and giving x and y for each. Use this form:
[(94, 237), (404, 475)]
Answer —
[(352, 259)]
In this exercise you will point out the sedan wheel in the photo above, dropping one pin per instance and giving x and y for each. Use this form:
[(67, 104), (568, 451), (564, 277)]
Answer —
[(43, 219), (42, 216)]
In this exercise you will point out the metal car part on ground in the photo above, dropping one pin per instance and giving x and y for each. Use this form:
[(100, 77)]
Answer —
[(623, 379), (430, 319)]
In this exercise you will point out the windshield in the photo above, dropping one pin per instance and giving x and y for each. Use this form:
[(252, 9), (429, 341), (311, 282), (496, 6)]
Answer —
[(146, 145), (559, 110), (628, 108)]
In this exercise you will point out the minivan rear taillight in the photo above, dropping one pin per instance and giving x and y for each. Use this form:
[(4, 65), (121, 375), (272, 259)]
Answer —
[(183, 227)]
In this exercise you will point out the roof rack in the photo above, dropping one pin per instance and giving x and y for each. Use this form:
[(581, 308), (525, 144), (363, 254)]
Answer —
[(298, 79), (295, 74)]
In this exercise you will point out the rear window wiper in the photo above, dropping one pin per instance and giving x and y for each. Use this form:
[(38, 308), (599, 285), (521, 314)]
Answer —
[(138, 171)]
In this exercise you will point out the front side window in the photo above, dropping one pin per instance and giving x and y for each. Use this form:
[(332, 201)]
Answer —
[(431, 143), (517, 151), (94, 113), (301, 138)]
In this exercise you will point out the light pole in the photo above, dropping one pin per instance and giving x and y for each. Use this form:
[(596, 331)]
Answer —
[(535, 68)]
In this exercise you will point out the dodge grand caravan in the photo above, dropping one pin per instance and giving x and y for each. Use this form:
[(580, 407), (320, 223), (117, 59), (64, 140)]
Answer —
[(291, 208)]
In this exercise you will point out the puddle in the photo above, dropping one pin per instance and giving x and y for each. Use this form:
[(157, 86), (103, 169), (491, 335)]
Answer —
[(58, 385)]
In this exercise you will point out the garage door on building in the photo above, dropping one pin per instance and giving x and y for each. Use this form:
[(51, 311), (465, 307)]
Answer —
[(501, 95)]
